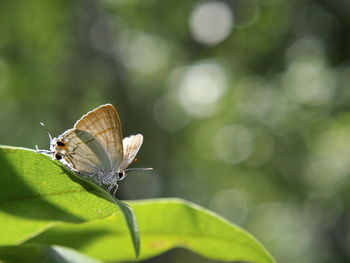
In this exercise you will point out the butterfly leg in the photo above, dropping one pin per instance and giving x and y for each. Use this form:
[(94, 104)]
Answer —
[(46, 152), (115, 190), (98, 179), (109, 189)]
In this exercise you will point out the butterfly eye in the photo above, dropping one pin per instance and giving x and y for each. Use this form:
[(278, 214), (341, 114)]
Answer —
[(121, 175), (58, 157), (59, 143)]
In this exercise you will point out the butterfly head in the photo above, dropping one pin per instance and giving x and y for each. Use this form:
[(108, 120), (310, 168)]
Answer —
[(58, 148)]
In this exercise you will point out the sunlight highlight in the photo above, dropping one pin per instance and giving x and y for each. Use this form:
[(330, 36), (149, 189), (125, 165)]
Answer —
[(211, 22)]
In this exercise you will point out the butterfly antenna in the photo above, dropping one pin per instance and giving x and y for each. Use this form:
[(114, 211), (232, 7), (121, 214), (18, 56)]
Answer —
[(47, 130), (47, 152), (138, 169)]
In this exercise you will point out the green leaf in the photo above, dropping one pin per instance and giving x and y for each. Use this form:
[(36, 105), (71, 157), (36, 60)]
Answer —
[(130, 219), (38, 193), (42, 204), (127, 212), (132, 225), (163, 224)]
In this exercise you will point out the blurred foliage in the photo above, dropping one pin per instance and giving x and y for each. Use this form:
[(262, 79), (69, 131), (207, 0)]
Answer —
[(244, 104)]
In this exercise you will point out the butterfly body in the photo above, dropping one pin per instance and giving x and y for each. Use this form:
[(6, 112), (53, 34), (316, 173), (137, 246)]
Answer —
[(94, 147)]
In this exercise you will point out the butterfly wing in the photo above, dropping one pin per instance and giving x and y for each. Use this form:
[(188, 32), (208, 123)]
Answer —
[(104, 124), (132, 145), (81, 151)]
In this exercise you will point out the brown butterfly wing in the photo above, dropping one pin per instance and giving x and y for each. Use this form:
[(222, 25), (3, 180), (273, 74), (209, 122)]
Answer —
[(81, 151), (132, 145), (104, 124)]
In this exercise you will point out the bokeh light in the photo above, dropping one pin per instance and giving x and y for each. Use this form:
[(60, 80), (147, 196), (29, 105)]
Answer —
[(308, 79), (328, 165), (145, 53), (211, 22), (200, 88), (234, 143)]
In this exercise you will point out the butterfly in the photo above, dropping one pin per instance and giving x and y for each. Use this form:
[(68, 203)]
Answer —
[(94, 148)]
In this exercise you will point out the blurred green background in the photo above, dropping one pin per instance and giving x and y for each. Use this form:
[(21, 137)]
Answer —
[(244, 104)]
